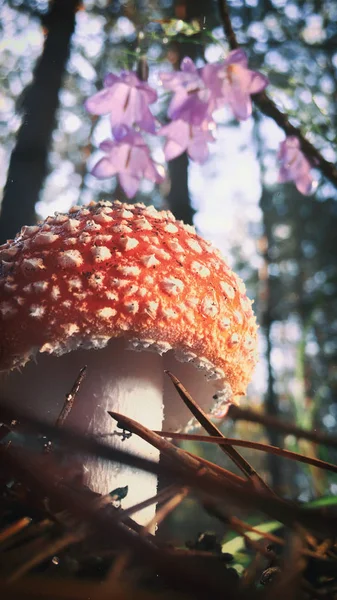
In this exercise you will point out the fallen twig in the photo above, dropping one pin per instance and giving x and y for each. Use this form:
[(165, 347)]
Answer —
[(13, 529), (321, 464), (199, 478), (70, 398), (167, 564), (201, 416), (47, 551), (169, 450), (209, 481), (243, 414), (167, 508)]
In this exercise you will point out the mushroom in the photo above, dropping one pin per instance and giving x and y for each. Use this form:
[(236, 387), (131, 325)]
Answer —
[(85, 287)]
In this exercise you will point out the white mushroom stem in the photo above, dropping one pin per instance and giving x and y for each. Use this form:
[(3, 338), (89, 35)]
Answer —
[(124, 381), (127, 382)]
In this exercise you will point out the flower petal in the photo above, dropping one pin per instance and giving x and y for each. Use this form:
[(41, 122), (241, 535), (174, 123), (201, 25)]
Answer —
[(104, 169), (152, 173), (211, 76), (187, 65), (295, 166), (258, 82), (107, 145), (110, 79), (190, 109), (198, 150), (284, 175), (148, 92), (172, 149), (305, 184), (131, 79), (290, 144), (127, 99), (237, 56), (147, 121), (100, 103), (241, 105), (130, 183), (120, 132), (177, 133), (239, 78), (137, 161), (137, 110)]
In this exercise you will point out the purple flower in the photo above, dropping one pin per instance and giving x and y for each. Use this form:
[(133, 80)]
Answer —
[(295, 166), (212, 76), (127, 99), (190, 100), (183, 136), (231, 82), (198, 92), (129, 158)]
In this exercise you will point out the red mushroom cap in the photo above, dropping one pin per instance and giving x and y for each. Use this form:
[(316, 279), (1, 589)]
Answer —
[(109, 270)]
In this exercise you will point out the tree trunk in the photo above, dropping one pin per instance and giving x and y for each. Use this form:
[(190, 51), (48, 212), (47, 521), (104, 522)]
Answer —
[(178, 198), (28, 164), (266, 319)]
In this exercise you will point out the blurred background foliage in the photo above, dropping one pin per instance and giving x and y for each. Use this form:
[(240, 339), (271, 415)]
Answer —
[(53, 55)]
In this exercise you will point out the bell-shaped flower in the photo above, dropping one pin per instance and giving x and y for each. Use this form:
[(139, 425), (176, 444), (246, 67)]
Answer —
[(182, 136), (190, 99), (126, 99), (129, 158), (232, 82), (198, 92), (295, 166), (212, 76)]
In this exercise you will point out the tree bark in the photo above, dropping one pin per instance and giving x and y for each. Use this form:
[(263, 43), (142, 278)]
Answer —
[(271, 402), (179, 198), (28, 163)]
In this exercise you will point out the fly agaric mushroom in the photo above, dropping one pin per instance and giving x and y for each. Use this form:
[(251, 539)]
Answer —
[(82, 287)]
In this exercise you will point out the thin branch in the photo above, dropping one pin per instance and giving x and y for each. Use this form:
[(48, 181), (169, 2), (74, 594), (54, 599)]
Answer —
[(14, 528), (201, 416), (27, 534), (48, 550), (27, 468), (166, 564), (168, 494), (70, 398), (4, 431), (241, 527), (275, 539), (228, 474), (290, 581), (321, 464), (269, 108), (208, 479), (166, 509), (227, 25), (176, 455), (75, 440), (220, 514), (162, 496), (243, 414), (68, 405)]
